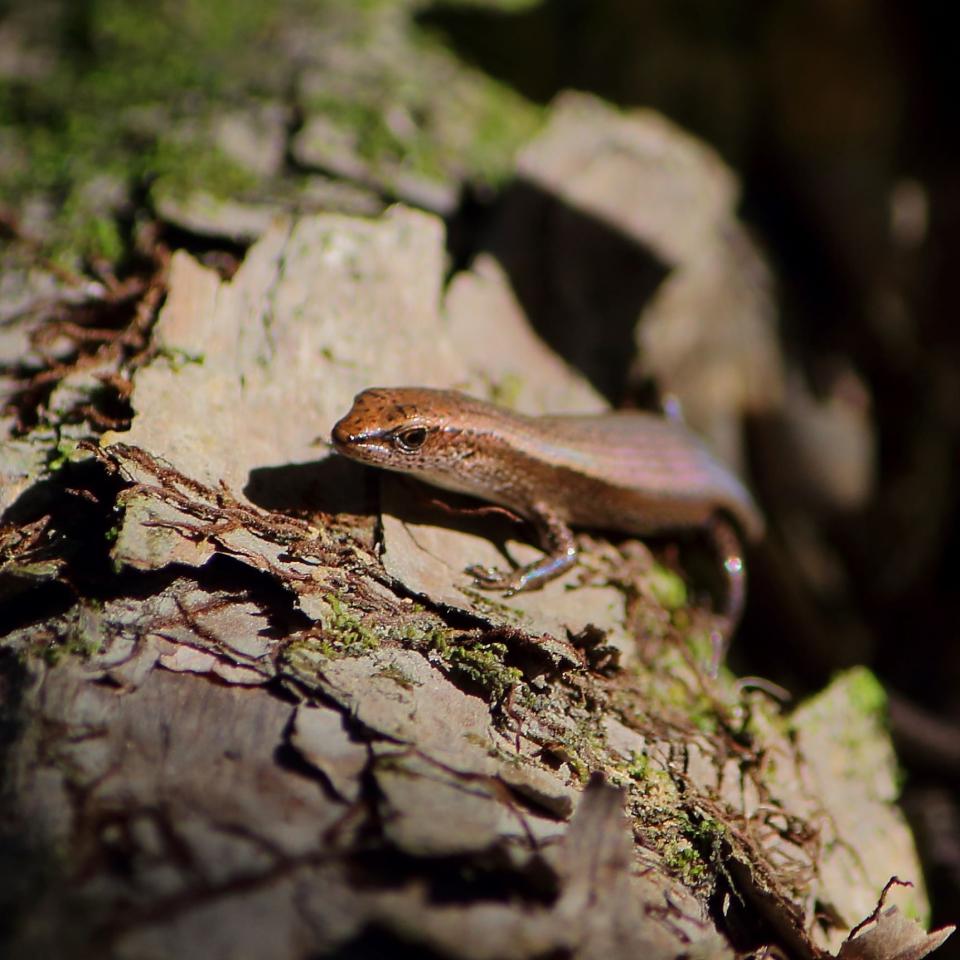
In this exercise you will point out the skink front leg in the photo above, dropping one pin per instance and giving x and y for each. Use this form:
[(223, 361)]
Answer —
[(556, 540)]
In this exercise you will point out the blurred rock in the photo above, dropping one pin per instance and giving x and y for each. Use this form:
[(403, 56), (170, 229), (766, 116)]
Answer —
[(818, 455), (625, 250), (235, 358), (255, 137), (208, 215), (491, 332)]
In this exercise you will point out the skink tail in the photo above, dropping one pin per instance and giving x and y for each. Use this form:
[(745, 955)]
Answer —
[(729, 550)]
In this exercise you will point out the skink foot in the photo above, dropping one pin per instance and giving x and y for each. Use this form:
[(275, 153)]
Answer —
[(508, 582), (530, 577)]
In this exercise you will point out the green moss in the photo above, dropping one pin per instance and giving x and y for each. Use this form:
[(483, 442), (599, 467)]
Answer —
[(178, 358), (667, 587), (914, 909), (651, 786), (695, 848), (81, 636), (485, 601), (480, 663), (705, 830), (692, 703), (304, 656), (64, 453), (134, 88), (123, 76), (638, 767), (506, 391), (672, 688), (483, 664), (179, 168), (501, 122), (98, 237), (579, 769), (150, 52), (345, 632), (852, 712), (398, 676), (866, 693), (681, 857), (420, 633), (423, 112)]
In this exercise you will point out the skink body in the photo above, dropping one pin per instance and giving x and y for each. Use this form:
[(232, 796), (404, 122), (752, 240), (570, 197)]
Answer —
[(631, 472)]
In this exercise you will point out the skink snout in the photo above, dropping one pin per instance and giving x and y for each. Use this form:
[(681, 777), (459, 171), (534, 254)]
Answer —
[(342, 435), (349, 437)]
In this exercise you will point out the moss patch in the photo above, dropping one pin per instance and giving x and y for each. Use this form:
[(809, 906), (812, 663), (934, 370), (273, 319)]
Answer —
[(128, 95)]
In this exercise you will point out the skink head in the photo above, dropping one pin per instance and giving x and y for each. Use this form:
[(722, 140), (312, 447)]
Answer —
[(427, 433), (446, 438), (386, 427)]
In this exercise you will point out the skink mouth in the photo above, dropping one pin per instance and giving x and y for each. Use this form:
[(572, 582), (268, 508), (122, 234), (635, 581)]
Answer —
[(357, 444)]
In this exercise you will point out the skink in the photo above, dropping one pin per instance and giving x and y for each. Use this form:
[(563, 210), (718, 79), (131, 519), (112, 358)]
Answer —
[(631, 472)]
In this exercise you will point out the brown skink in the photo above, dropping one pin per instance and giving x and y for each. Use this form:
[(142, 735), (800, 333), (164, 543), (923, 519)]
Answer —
[(630, 472)]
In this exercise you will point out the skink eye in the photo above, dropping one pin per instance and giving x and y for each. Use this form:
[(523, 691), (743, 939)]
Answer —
[(409, 441)]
